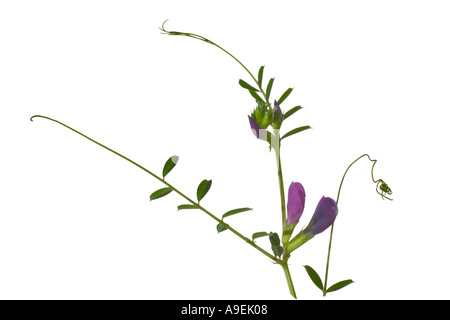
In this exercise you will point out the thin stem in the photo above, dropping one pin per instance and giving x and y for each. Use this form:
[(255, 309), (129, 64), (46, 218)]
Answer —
[(383, 195), (199, 37), (277, 148), (289, 279), (328, 262), (343, 177), (254, 245), (282, 196)]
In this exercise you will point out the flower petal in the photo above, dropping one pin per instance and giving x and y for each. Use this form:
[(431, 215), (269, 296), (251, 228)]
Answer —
[(324, 216), (254, 126), (277, 116), (296, 202)]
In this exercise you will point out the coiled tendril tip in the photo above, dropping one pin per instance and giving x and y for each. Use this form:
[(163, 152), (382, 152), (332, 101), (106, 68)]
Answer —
[(383, 189)]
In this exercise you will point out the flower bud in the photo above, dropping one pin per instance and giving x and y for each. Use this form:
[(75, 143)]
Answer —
[(278, 116), (295, 206), (254, 126), (263, 115), (261, 134), (267, 119), (296, 202)]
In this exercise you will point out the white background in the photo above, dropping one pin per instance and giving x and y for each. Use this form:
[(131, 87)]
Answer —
[(75, 220)]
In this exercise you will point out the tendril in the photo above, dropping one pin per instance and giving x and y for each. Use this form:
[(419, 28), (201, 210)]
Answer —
[(186, 34), (199, 37), (381, 187)]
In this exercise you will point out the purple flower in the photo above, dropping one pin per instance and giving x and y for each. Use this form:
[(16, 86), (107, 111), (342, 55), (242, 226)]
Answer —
[(324, 216), (278, 116), (296, 202)]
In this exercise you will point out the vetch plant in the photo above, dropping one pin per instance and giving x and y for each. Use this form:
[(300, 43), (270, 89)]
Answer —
[(265, 121)]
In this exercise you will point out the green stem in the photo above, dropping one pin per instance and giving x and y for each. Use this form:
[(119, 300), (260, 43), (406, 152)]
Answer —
[(277, 148), (328, 262), (332, 227), (199, 37), (289, 279), (337, 201), (254, 245)]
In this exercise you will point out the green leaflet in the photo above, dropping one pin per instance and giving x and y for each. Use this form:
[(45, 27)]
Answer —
[(260, 75), (235, 211), (269, 88), (187, 206), (339, 285), (203, 189), (169, 165), (275, 242), (160, 193), (245, 85), (289, 113), (314, 277), (277, 251), (259, 235), (221, 227), (294, 131), (285, 95), (256, 96)]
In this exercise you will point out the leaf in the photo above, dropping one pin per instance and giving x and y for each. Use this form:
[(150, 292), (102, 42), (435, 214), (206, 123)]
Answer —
[(294, 131), (274, 238), (259, 235), (221, 227), (203, 189), (256, 96), (160, 193), (260, 75), (314, 277), (291, 112), (187, 206), (275, 241), (277, 250), (169, 165), (231, 212), (339, 285), (285, 95), (247, 86), (269, 88)]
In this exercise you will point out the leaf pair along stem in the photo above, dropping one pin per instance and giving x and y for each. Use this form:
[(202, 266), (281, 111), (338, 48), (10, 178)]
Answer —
[(318, 282), (171, 187)]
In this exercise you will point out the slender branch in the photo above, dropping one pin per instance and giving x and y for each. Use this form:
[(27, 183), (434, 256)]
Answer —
[(254, 245), (276, 146), (380, 184), (328, 262), (199, 37), (282, 196)]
